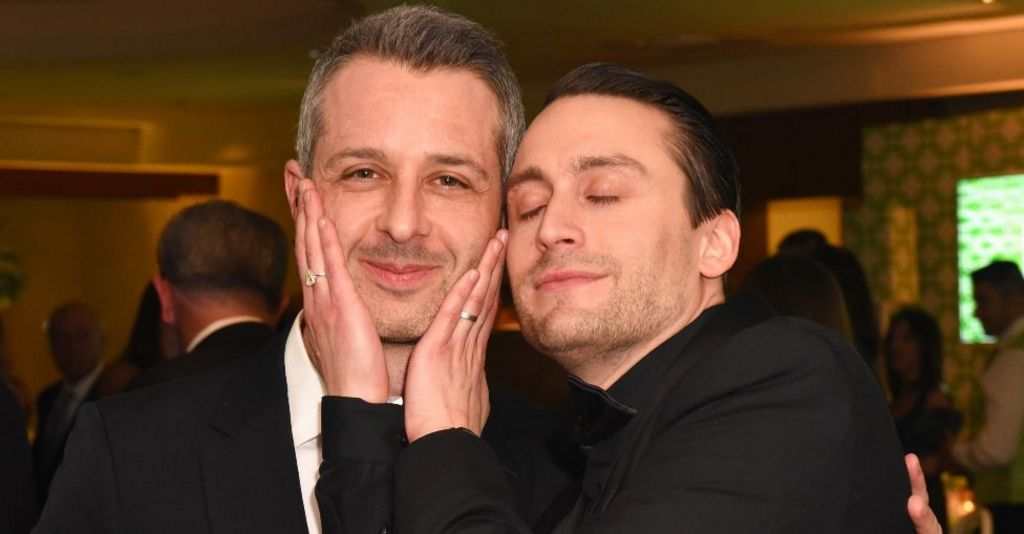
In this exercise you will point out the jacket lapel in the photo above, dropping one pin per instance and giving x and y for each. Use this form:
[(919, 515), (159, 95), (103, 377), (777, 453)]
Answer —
[(744, 310), (249, 470)]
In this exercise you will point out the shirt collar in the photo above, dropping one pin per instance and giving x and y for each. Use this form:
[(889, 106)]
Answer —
[(217, 325), (1014, 331), (603, 413), (305, 387), (81, 388)]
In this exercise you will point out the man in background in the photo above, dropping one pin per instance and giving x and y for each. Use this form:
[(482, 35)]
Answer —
[(995, 455), (220, 286), (76, 336)]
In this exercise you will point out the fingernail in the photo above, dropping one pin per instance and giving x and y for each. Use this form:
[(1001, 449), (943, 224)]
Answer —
[(321, 222), (503, 236)]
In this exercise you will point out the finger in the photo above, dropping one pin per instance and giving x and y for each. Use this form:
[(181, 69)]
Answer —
[(918, 486), (300, 248), (491, 302), (925, 522), (475, 302), (314, 248), (341, 287), (444, 324)]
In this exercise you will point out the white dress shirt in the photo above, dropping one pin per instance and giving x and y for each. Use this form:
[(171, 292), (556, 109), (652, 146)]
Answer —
[(217, 325), (305, 391), (998, 441)]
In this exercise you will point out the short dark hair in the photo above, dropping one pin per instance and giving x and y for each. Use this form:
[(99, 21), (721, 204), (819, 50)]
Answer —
[(695, 144), (1003, 275), (219, 246), (802, 241), (422, 38)]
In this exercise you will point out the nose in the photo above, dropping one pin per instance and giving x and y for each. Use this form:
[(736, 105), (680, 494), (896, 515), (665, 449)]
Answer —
[(403, 217), (559, 225)]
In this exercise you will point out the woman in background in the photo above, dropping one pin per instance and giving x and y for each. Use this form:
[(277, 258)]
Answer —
[(924, 414)]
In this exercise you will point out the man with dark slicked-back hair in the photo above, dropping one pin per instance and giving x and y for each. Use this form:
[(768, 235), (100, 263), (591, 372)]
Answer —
[(697, 415)]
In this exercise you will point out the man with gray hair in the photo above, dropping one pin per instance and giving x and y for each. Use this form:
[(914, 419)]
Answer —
[(408, 126), (220, 284)]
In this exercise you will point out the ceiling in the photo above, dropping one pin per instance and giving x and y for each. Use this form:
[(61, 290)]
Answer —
[(155, 52)]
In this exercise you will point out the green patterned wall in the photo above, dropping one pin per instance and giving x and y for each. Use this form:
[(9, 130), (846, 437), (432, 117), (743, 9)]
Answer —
[(918, 165)]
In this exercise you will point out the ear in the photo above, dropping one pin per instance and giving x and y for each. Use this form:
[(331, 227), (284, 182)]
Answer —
[(292, 180), (164, 291), (721, 244)]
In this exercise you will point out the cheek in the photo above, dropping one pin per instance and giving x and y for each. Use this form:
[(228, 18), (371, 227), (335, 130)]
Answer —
[(353, 217), (464, 229)]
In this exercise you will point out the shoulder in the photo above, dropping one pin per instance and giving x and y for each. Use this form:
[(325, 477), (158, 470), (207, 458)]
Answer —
[(790, 345), (164, 404)]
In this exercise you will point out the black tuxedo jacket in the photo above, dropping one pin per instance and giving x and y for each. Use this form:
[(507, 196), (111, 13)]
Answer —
[(220, 348), (210, 453), (760, 424)]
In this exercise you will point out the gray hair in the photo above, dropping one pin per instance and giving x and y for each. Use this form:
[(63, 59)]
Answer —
[(422, 38)]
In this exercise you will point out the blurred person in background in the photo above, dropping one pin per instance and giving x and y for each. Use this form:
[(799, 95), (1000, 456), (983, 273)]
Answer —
[(220, 287), (151, 341), (799, 286), (77, 337), (924, 415), (995, 454), (847, 270)]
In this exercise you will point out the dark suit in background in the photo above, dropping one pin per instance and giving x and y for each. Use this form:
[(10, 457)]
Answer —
[(52, 436), (740, 423), (220, 348), (17, 485)]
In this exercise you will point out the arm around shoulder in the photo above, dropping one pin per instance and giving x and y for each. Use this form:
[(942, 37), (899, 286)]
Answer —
[(452, 481)]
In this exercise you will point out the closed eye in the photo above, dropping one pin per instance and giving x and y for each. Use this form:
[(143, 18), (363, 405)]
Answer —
[(602, 199), (529, 214)]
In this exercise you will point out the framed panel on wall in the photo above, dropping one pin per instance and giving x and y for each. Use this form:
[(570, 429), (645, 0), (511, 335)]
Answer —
[(990, 226)]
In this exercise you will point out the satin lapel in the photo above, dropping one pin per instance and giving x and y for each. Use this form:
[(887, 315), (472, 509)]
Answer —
[(746, 309), (249, 469)]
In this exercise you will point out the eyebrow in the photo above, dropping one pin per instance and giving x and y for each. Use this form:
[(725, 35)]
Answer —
[(455, 160), (529, 174), (579, 166), (620, 161), (358, 153), (379, 155)]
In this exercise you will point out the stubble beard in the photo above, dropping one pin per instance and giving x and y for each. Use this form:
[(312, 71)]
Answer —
[(582, 338), (400, 317)]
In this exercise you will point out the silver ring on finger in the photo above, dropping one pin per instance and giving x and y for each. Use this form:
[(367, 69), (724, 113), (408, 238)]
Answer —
[(468, 316), (312, 277)]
